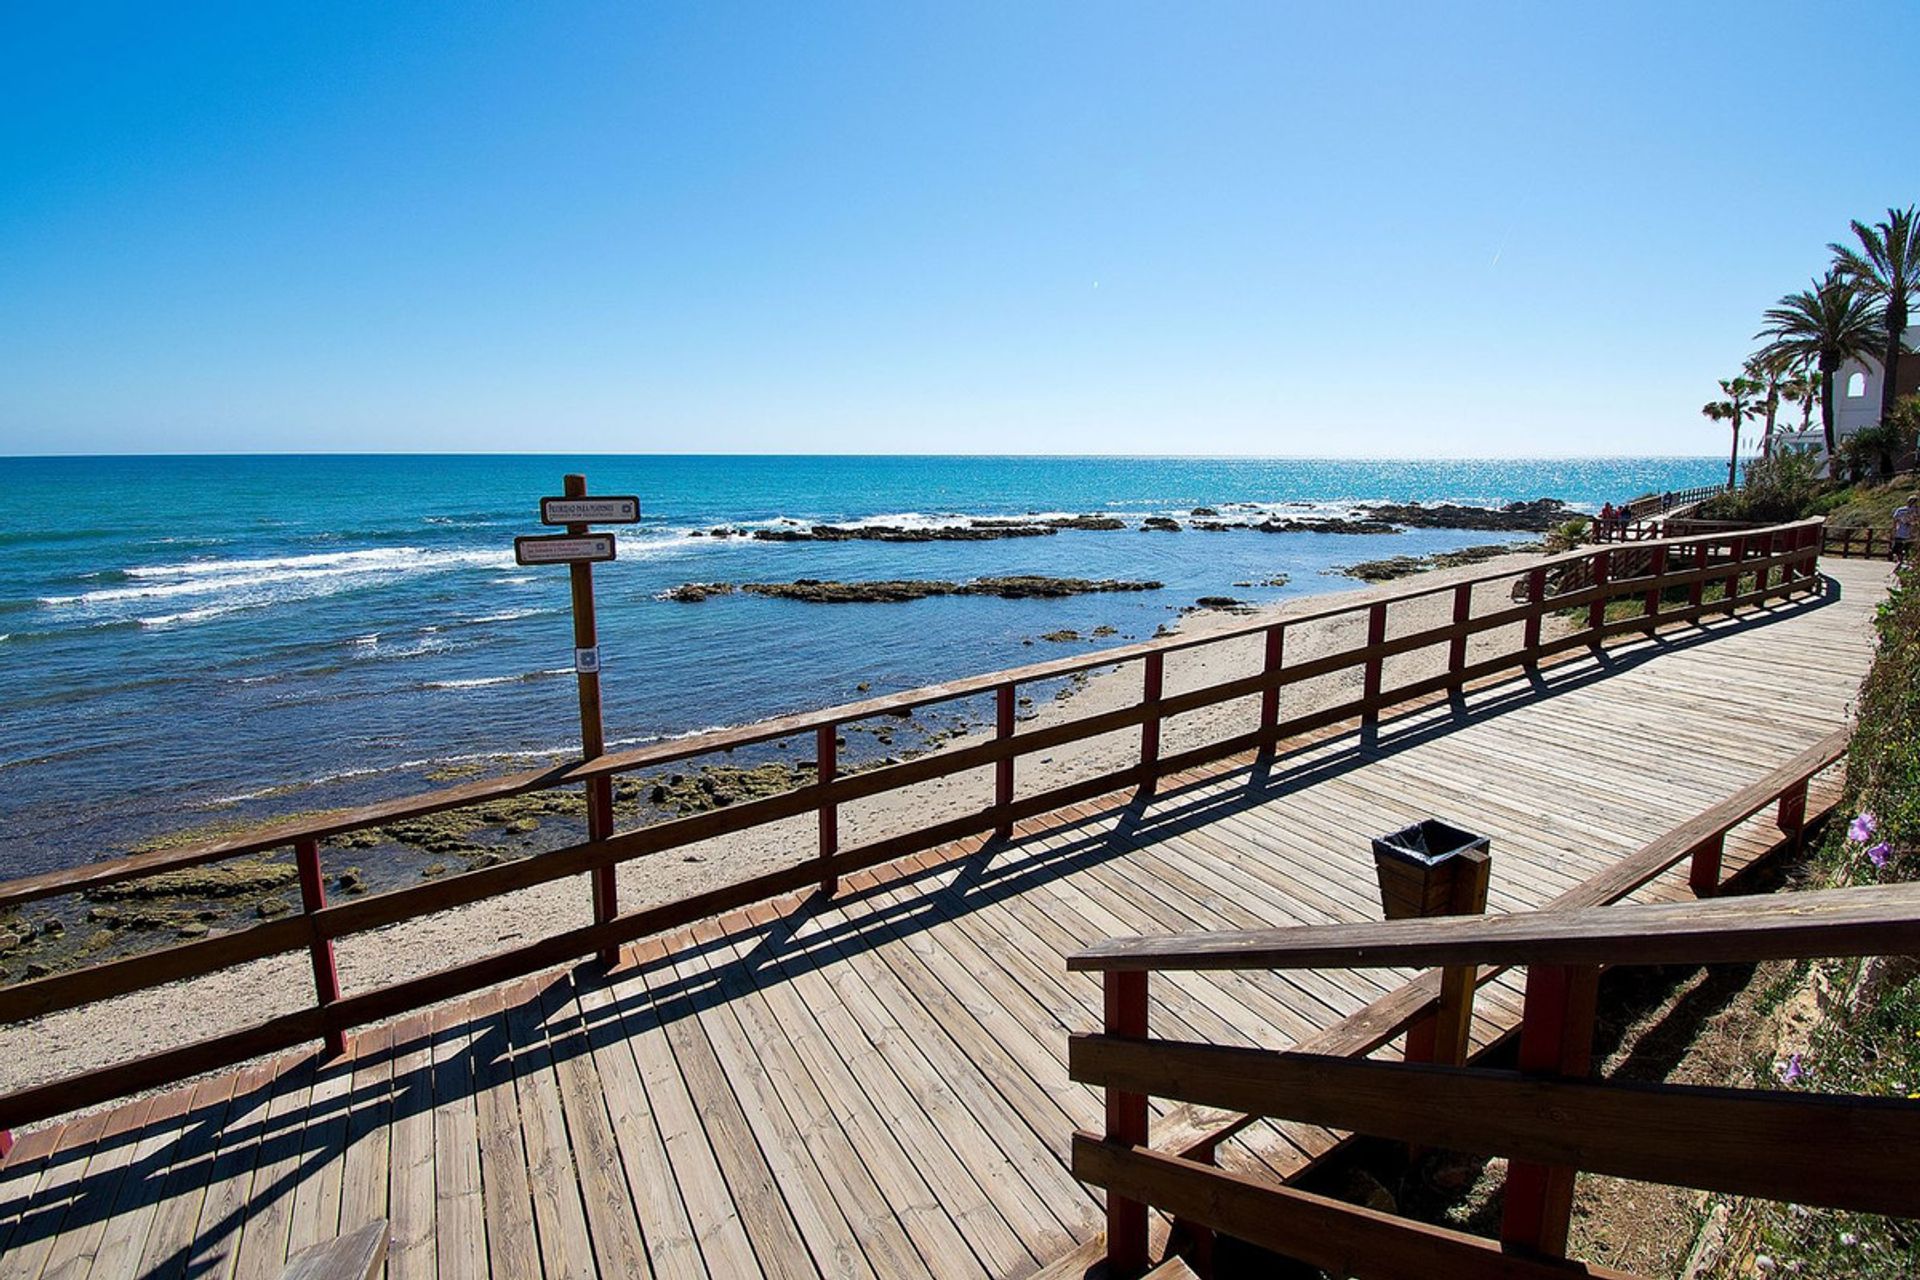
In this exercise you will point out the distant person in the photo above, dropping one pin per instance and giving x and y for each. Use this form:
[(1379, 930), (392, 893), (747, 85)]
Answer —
[(1606, 522), (1903, 519)]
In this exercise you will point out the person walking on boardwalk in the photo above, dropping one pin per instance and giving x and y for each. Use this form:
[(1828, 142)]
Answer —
[(1903, 521)]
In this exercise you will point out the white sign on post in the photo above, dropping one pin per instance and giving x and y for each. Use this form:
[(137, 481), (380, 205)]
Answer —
[(563, 548), (621, 510)]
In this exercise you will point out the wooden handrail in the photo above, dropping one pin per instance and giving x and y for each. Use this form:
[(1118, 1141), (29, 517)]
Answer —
[(1876, 920), (1849, 1153), (1784, 566), (1344, 1239)]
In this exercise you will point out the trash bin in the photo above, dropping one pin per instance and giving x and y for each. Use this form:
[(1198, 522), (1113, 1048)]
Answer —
[(1432, 868)]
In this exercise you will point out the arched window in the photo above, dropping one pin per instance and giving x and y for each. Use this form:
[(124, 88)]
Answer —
[(1856, 385)]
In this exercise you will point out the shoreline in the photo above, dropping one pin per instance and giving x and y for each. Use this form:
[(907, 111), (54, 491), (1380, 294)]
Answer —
[(75, 1041)]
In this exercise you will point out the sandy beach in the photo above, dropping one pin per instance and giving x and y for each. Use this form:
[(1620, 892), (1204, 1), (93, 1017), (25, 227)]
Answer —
[(78, 1040)]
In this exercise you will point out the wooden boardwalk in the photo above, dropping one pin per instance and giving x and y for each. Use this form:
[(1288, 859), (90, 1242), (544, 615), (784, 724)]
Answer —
[(876, 1085)]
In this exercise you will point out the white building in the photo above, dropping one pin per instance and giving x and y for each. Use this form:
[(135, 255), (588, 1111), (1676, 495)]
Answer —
[(1856, 397)]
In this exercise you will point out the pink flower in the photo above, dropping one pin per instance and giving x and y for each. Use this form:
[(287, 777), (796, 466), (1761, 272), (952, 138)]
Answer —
[(1862, 828), (1878, 853)]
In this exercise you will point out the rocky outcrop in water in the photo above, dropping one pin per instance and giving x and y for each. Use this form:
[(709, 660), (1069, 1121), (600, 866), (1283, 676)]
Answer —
[(1536, 516)]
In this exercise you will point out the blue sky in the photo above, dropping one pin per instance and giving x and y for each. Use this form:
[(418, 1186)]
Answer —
[(1340, 229)]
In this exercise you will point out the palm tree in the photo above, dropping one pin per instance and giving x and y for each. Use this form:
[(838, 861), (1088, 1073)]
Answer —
[(1825, 326), (1773, 374), (1886, 268), (1803, 387), (1737, 408)]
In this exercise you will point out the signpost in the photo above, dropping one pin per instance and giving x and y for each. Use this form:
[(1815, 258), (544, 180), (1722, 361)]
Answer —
[(579, 549)]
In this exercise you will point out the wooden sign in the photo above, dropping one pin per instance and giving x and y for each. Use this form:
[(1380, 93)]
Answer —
[(595, 510), (563, 548)]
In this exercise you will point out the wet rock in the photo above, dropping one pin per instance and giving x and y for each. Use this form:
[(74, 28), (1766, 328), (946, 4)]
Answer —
[(1061, 637), (229, 879), (1291, 525), (350, 881), (267, 908), (1104, 630), (1087, 522), (1537, 516), (695, 592), (894, 591), (1160, 524), (1203, 511)]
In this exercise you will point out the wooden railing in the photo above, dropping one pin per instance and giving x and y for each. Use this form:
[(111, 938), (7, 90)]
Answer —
[(1547, 1118), (1869, 544), (1661, 503), (1656, 528), (1751, 567)]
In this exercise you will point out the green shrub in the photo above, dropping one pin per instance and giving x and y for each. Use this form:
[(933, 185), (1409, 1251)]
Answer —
[(1775, 489)]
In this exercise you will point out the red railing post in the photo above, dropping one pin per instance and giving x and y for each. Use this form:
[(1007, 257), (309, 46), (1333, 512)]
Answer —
[(826, 752), (1462, 612), (1003, 705), (1698, 591), (1703, 871), (1556, 1039), (1126, 1015), (1370, 690), (1270, 697), (326, 975), (1537, 595), (1659, 585), (1154, 680), (1597, 611)]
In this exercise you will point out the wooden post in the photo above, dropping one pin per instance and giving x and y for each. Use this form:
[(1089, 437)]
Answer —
[(1370, 692), (826, 755), (1556, 1039), (1453, 1020), (1462, 612), (1792, 817), (1597, 611), (1003, 704), (326, 974), (1738, 554), (1698, 591), (1126, 1015), (1659, 585), (1154, 681), (1450, 886), (1537, 594), (606, 904), (1270, 698), (1703, 872)]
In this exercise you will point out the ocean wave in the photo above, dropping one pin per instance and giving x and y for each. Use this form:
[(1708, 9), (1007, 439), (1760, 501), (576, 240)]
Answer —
[(482, 682)]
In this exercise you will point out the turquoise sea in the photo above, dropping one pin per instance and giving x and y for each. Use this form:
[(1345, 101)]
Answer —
[(188, 638)]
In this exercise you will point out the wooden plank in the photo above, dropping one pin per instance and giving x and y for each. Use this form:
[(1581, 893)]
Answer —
[(555, 1181), (37, 1222), (507, 1199), (267, 1226), (142, 1187), (357, 1255), (672, 1249), (809, 1124), (316, 1197), (825, 1059), (20, 1176), (367, 1140), (870, 1041), (1847, 1151), (90, 1210), (1870, 920), (1340, 1238), (618, 1248), (791, 1220), (412, 1241), (459, 1217), (216, 1235)]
